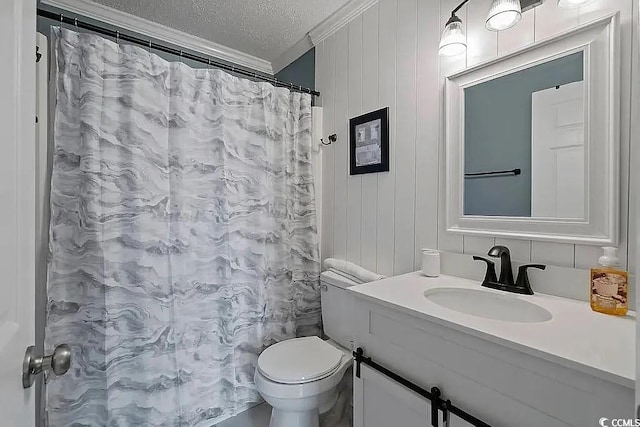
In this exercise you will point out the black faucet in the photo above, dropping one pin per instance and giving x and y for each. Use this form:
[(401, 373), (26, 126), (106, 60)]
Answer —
[(506, 273), (505, 281)]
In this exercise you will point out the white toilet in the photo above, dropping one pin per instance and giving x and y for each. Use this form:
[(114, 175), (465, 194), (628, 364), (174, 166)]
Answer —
[(299, 377)]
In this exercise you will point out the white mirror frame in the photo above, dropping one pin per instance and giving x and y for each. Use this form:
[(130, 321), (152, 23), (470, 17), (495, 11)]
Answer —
[(599, 42)]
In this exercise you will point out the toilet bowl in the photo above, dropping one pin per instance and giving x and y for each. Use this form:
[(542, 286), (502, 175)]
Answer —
[(299, 379)]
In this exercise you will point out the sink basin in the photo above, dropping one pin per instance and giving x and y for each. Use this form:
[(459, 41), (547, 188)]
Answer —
[(488, 305)]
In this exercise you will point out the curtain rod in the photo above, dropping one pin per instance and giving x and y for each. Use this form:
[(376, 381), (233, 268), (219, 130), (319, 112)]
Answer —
[(178, 52)]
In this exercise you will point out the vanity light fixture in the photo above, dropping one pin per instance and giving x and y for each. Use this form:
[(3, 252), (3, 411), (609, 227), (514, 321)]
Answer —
[(453, 41), (503, 14), (573, 4)]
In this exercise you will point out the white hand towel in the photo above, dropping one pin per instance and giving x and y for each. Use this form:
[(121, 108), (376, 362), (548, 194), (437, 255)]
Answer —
[(351, 271)]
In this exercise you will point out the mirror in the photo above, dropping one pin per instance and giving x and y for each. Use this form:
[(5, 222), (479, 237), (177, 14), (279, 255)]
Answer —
[(524, 135), (532, 141)]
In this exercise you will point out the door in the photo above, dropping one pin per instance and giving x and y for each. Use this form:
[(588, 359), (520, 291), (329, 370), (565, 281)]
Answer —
[(557, 139), (17, 216)]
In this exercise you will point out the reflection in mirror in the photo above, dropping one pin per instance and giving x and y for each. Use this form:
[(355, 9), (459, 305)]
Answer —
[(524, 136)]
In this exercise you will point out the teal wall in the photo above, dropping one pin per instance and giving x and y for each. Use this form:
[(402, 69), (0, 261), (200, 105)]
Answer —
[(498, 135), (302, 71)]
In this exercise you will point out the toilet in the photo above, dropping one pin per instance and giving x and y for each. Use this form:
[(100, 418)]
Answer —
[(299, 377)]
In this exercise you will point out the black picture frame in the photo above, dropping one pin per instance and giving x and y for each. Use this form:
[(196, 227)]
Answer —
[(369, 142)]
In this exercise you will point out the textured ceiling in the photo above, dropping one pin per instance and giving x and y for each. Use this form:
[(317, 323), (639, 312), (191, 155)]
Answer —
[(262, 28)]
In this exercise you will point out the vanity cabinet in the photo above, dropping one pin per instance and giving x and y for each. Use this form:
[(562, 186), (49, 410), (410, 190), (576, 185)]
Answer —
[(497, 383)]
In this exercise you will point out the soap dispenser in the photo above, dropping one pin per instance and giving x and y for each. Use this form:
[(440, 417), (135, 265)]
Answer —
[(609, 285)]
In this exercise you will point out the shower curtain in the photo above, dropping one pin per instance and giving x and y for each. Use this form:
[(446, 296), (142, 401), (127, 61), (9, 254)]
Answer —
[(183, 235)]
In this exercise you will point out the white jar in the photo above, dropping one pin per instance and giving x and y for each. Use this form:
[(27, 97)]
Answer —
[(430, 262)]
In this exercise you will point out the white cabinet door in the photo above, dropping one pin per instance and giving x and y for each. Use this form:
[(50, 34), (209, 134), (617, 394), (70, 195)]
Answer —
[(379, 401), (17, 216)]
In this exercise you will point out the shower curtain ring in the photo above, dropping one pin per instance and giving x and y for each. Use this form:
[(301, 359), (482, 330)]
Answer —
[(75, 22), (117, 37), (149, 45)]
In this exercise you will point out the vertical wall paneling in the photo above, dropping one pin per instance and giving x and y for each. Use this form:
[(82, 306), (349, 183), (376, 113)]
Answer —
[(341, 150), (560, 254), (428, 121), (518, 36), (586, 256), (326, 77), (369, 219), (386, 180), (482, 44), (447, 241), (520, 249), (354, 183), (478, 245), (551, 20), (600, 8), (405, 136), (634, 182), (399, 67)]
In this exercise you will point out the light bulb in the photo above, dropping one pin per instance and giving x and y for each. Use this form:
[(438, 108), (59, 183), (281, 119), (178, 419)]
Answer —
[(503, 14), (453, 41), (572, 4)]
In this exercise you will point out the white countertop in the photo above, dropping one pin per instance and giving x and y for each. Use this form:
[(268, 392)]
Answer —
[(594, 343)]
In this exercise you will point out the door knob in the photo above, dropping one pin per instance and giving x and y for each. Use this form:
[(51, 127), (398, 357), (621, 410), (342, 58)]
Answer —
[(58, 362)]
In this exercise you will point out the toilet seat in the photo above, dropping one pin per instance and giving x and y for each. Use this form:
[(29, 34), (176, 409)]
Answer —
[(299, 361)]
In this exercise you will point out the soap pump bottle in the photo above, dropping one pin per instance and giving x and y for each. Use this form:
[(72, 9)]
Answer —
[(609, 285)]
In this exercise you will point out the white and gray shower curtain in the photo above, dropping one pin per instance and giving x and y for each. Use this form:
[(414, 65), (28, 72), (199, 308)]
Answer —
[(183, 235)]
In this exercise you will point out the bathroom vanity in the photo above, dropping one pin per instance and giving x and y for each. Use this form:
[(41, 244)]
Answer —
[(509, 360)]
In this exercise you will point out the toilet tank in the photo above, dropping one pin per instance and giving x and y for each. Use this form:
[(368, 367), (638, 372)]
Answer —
[(336, 308)]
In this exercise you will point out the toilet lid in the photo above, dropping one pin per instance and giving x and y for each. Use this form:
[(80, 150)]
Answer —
[(299, 360)]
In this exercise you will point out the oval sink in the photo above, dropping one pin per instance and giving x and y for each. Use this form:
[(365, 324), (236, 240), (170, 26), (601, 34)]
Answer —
[(488, 305)]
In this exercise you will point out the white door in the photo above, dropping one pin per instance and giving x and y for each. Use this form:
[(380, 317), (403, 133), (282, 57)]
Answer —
[(558, 177), (17, 216)]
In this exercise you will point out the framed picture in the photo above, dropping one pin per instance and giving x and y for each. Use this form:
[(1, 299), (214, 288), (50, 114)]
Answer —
[(369, 142)]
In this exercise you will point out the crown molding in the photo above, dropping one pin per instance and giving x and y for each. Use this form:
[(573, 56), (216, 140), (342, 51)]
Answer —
[(339, 19), (291, 54), (157, 31)]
